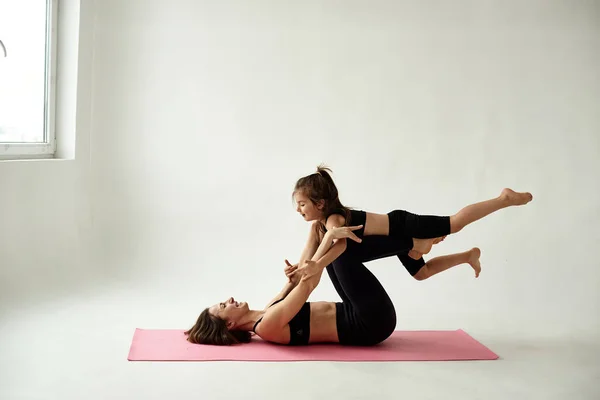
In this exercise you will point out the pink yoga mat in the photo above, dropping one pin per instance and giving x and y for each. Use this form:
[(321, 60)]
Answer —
[(171, 345)]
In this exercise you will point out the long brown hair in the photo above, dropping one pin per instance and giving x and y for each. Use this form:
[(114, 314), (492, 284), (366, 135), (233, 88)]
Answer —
[(210, 329), (320, 186)]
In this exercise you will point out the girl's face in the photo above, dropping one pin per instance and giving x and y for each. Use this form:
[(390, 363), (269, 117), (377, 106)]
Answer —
[(305, 207)]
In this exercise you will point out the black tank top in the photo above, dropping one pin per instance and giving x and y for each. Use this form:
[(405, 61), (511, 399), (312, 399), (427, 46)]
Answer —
[(299, 325)]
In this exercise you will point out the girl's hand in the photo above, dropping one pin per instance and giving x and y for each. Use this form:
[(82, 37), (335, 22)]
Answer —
[(345, 232)]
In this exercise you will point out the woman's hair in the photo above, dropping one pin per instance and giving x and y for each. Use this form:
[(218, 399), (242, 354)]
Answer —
[(320, 186), (210, 329)]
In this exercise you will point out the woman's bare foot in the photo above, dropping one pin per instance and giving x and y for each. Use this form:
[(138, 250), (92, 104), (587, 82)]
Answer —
[(415, 255), (515, 198), (474, 255)]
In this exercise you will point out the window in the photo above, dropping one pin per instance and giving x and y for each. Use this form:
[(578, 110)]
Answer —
[(27, 83)]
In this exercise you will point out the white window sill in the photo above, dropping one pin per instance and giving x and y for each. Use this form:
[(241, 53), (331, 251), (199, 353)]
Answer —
[(22, 151)]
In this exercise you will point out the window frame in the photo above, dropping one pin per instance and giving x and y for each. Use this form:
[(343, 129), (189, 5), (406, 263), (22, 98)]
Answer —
[(46, 149)]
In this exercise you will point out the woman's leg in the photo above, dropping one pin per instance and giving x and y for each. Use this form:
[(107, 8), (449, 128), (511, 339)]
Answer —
[(336, 283), (368, 315)]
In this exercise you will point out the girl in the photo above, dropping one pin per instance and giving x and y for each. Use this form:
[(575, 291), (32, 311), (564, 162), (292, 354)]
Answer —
[(317, 200)]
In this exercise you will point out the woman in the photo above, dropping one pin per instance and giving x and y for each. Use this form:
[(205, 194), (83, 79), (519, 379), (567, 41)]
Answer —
[(365, 316)]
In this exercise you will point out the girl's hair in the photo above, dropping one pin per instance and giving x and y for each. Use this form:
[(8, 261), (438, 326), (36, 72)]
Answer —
[(320, 186), (213, 330)]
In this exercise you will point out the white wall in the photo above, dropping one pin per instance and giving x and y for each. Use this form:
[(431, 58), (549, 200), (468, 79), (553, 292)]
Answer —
[(205, 114), (45, 213)]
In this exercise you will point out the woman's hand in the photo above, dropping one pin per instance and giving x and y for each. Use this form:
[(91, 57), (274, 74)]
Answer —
[(344, 232), (309, 269), (291, 271)]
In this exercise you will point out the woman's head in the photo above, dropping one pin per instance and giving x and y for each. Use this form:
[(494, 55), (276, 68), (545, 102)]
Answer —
[(218, 324), (316, 196)]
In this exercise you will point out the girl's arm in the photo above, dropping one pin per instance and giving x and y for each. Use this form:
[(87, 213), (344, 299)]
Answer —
[(279, 315), (294, 296), (333, 244), (334, 220), (339, 246), (330, 248), (309, 250), (311, 244), (311, 268)]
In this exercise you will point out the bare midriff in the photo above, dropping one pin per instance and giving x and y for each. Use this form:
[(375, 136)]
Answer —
[(323, 326), (377, 224)]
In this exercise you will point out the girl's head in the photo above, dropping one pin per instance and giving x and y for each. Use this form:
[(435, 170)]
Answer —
[(317, 197), (217, 324)]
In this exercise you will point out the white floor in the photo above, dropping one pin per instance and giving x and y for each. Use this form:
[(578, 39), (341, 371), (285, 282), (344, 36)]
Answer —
[(76, 348)]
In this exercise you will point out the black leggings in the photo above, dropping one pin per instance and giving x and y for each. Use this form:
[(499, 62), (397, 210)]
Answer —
[(366, 316), (403, 225), (406, 224)]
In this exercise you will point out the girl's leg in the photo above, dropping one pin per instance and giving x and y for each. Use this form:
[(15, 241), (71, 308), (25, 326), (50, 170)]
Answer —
[(377, 247), (423, 246), (406, 224), (475, 212), (440, 264)]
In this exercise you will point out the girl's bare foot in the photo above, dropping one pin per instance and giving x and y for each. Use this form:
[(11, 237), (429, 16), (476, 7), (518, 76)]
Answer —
[(515, 198), (423, 246), (474, 255)]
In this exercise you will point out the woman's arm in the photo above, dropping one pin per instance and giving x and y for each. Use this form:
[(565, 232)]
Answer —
[(291, 271), (279, 315), (289, 286), (309, 250), (330, 248), (312, 268)]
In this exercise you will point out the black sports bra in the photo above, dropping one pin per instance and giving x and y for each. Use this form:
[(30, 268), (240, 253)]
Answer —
[(299, 325), (357, 217)]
